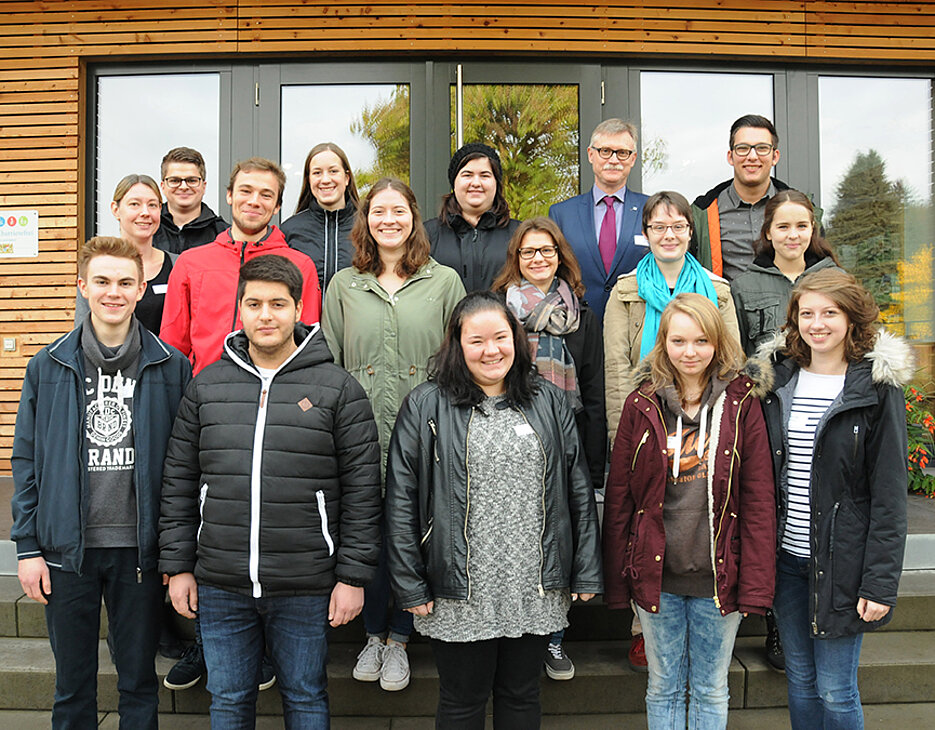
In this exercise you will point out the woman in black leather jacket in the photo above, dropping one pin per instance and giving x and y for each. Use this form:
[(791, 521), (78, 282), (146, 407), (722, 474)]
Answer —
[(837, 429), (491, 522), (324, 215)]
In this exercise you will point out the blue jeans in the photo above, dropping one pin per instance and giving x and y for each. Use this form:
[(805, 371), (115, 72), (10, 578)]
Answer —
[(688, 642), (380, 613), (73, 616), (234, 629), (821, 674)]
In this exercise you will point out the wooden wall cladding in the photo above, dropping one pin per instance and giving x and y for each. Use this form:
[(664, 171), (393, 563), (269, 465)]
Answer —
[(43, 44)]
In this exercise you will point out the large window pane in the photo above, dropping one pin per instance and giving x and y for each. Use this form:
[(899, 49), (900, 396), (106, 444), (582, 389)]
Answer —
[(370, 122), (534, 128), (140, 118), (685, 123), (876, 189)]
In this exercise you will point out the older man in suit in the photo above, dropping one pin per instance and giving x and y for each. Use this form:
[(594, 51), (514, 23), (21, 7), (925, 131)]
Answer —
[(603, 225)]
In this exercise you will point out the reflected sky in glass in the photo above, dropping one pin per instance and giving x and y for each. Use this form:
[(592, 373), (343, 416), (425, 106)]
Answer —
[(685, 125), (892, 116), (322, 113), (142, 117)]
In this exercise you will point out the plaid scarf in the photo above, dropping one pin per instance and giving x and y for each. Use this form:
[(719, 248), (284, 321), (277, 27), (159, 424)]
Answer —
[(547, 318)]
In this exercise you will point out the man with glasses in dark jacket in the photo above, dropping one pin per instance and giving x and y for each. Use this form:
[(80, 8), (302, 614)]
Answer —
[(271, 503), (94, 419)]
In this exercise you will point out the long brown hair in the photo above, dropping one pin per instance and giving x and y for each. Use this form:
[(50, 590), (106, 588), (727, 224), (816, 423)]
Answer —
[(305, 197), (367, 254), (728, 356), (123, 187), (499, 209), (817, 245), (851, 298), (568, 268)]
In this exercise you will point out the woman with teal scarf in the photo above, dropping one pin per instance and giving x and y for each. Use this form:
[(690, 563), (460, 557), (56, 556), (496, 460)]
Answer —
[(631, 320)]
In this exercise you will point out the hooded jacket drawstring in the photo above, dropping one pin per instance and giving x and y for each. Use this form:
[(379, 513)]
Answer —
[(678, 439)]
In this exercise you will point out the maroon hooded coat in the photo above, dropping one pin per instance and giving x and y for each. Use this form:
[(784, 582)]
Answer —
[(741, 499)]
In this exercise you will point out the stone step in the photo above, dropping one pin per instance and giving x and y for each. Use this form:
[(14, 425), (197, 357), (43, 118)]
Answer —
[(915, 715), (896, 667), (592, 621)]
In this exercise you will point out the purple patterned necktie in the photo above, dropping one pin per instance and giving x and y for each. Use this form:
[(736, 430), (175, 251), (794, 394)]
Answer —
[(607, 241)]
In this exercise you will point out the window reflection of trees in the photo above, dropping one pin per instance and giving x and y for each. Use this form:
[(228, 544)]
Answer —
[(534, 127), (384, 124)]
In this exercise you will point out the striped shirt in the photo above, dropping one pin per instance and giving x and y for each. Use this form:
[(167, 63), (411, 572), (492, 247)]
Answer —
[(814, 394)]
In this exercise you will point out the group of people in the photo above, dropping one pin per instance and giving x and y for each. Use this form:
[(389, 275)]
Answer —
[(410, 422)]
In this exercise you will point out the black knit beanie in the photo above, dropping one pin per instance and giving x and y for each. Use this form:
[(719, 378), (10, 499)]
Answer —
[(473, 148)]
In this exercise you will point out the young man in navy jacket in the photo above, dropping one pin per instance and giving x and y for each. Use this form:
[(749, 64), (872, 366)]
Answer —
[(94, 420)]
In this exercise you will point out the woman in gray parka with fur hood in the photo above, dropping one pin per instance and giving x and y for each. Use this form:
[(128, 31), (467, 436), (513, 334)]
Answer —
[(837, 428)]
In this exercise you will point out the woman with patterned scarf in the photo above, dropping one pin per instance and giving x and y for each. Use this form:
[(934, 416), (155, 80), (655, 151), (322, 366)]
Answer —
[(542, 283)]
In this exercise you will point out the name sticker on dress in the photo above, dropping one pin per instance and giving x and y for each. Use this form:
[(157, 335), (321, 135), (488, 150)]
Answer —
[(160, 288), (672, 443), (639, 240), (523, 429)]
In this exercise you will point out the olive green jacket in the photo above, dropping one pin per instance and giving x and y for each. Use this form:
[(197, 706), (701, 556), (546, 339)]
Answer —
[(385, 341), (623, 336)]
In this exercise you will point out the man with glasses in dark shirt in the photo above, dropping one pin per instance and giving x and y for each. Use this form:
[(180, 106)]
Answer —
[(728, 217), (603, 224), (186, 221)]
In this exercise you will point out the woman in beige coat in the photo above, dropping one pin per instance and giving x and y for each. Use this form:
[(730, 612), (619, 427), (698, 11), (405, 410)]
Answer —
[(671, 270)]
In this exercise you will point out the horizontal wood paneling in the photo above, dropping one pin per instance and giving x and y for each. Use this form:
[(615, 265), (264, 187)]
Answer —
[(42, 45)]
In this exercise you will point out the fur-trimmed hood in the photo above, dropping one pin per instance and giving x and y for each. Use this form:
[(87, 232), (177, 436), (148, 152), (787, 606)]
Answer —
[(759, 370), (891, 359)]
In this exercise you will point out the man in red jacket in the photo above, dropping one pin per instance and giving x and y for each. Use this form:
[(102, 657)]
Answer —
[(201, 301)]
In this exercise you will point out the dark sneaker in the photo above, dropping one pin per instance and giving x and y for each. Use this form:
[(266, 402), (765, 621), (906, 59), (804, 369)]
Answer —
[(637, 654), (267, 674), (557, 664), (774, 653), (187, 670)]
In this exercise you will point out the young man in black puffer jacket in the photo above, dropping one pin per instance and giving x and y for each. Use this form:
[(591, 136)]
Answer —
[(271, 502)]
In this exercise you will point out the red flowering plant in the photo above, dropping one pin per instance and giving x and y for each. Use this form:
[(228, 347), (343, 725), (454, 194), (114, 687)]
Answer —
[(921, 426)]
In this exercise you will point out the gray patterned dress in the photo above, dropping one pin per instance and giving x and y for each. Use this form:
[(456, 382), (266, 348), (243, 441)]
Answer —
[(505, 518)]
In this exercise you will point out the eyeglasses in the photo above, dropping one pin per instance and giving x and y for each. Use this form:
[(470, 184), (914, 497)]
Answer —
[(548, 252), (605, 153), (677, 228), (175, 182), (761, 149)]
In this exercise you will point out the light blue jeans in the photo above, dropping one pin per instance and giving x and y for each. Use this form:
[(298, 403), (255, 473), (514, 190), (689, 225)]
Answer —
[(688, 648)]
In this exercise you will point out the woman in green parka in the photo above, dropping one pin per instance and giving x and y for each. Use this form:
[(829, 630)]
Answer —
[(384, 317)]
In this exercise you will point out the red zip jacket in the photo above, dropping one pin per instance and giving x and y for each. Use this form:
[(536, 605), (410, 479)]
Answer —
[(201, 301), (741, 501)]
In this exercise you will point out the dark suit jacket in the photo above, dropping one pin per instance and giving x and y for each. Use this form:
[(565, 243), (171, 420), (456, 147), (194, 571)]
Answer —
[(575, 217)]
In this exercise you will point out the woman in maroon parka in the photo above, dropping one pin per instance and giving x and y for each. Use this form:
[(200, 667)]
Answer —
[(689, 513)]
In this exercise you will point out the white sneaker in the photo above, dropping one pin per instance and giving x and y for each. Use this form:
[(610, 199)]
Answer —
[(370, 660), (395, 673)]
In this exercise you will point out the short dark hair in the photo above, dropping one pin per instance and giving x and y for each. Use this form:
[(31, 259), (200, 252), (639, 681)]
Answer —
[(185, 155), (668, 199), (259, 164), (755, 121), (108, 246), (273, 268), (449, 370)]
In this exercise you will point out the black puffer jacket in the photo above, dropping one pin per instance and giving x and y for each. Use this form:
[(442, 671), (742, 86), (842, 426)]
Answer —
[(858, 486), (324, 236), (315, 494), (477, 254), (204, 229), (428, 498)]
